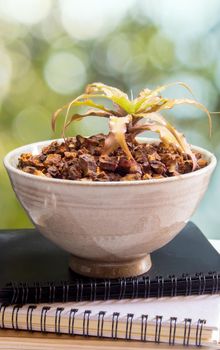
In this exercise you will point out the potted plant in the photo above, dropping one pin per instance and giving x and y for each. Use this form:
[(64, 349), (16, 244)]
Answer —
[(112, 199)]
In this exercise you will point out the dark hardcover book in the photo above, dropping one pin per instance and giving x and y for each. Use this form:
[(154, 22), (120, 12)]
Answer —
[(34, 270)]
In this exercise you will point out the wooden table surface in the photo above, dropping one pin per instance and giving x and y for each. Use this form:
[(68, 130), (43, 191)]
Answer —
[(20, 340)]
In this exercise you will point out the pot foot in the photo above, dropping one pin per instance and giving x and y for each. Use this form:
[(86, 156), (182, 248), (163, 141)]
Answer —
[(99, 269)]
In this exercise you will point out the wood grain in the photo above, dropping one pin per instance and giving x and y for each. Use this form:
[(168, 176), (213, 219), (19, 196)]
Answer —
[(19, 340)]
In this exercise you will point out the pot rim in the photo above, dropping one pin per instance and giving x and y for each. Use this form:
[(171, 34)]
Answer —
[(11, 168)]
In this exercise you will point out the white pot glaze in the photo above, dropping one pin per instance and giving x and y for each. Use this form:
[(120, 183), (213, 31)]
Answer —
[(108, 221)]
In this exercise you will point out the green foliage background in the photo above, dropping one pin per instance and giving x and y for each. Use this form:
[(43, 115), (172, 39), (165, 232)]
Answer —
[(50, 49)]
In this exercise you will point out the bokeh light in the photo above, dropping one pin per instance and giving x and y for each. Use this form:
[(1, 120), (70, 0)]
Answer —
[(119, 53), (25, 11), (65, 73), (183, 20), (23, 122), (85, 19)]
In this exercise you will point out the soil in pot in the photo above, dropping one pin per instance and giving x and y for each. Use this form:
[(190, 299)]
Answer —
[(81, 158)]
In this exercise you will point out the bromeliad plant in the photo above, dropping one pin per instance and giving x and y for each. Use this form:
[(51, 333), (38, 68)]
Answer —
[(128, 118)]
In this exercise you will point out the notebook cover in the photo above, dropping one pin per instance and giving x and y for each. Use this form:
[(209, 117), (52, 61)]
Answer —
[(33, 269)]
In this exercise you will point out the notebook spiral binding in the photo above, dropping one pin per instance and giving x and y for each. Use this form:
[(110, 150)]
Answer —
[(29, 316), (142, 287), (100, 324)]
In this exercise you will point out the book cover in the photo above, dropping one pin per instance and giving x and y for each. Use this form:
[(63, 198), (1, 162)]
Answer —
[(33, 269)]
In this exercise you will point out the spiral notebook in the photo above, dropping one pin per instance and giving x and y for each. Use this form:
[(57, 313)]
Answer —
[(178, 320), (34, 270)]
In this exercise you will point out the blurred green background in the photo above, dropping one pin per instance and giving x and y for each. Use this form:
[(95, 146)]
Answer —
[(49, 50)]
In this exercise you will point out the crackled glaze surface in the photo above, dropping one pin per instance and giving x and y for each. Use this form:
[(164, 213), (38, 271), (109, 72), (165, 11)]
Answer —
[(109, 222)]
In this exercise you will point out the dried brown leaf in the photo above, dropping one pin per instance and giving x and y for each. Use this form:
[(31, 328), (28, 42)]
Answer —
[(116, 138)]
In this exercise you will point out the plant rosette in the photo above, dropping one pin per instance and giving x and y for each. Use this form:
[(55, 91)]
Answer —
[(111, 200)]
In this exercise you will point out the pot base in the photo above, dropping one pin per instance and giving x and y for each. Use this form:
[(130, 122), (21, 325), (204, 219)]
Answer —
[(92, 268)]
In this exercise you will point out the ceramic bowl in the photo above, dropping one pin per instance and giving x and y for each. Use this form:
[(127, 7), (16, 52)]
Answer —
[(109, 228)]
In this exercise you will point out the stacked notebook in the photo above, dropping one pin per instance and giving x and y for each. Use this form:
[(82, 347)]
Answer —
[(177, 301)]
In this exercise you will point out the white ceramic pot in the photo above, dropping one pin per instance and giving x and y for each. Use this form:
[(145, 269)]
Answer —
[(109, 227)]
